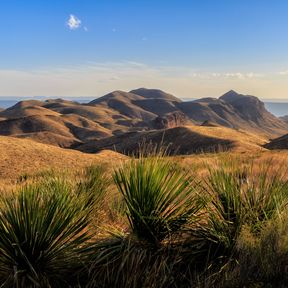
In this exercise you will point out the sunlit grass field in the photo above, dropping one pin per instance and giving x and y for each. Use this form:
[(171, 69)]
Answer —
[(208, 220)]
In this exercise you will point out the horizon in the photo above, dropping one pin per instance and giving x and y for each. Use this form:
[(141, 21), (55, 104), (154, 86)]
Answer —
[(191, 48), (27, 97)]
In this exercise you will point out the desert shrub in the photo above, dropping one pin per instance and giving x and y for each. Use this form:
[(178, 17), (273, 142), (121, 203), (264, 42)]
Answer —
[(93, 185), (262, 258), (160, 198), (227, 231), (161, 202), (239, 197), (125, 262), (42, 231)]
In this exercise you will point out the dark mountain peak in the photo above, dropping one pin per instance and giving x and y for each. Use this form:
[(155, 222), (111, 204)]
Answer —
[(231, 93), (154, 93), (250, 108), (230, 96)]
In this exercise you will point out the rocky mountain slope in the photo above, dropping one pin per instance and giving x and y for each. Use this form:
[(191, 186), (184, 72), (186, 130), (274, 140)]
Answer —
[(70, 124)]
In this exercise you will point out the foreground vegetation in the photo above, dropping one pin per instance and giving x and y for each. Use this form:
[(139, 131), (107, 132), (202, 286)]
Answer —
[(153, 223)]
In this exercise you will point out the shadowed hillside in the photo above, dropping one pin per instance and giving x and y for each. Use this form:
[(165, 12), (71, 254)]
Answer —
[(278, 143), (73, 128), (180, 140)]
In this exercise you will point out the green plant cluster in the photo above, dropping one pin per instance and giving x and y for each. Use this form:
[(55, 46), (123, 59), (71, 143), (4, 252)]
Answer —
[(227, 229)]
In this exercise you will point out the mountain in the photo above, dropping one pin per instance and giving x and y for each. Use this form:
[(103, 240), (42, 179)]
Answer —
[(235, 111), (154, 94), (230, 110), (170, 120), (64, 130), (253, 111), (70, 124), (19, 111), (284, 118), (180, 140)]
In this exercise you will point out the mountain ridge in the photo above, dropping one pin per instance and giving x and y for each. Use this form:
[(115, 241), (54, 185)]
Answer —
[(67, 124)]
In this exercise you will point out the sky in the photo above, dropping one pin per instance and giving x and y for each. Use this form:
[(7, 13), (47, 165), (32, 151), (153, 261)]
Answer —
[(193, 48)]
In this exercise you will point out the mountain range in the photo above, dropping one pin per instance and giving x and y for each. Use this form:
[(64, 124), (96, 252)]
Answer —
[(121, 120)]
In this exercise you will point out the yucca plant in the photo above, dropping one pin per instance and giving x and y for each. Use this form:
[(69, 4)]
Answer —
[(266, 196), (93, 185), (161, 202), (239, 196), (123, 262), (42, 231), (160, 197)]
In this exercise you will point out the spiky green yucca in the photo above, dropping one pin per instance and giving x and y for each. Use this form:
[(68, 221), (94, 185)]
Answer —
[(160, 197), (240, 196), (93, 186), (41, 234)]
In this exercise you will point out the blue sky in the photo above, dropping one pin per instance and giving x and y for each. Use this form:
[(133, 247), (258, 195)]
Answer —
[(190, 48)]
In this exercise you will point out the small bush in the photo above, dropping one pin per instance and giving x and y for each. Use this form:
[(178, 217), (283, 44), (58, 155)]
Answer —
[(160, 198), (93, 186), (41, 234)]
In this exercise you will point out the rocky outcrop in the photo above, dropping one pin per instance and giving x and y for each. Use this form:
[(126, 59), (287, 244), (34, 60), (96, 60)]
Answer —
[(170, 120)]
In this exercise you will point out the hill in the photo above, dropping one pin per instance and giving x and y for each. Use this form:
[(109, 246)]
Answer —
[(19, 111), (180, 140), (253, 111), (231, 110), (58, 130), (155, 94), (20, 156), (278, 143), (69, 124)]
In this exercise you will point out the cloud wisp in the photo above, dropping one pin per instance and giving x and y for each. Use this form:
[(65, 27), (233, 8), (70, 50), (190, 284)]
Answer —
[(283, 73), (73, 22), (96, 79)]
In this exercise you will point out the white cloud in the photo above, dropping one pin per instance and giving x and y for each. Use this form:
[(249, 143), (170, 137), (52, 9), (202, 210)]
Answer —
[(96, 79), (284, 72), (74, 22)]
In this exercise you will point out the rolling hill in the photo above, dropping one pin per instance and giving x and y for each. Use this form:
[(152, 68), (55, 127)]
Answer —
[(278, 143), (59, 130), (180, 140), (20, 156), (231, 110), (70, 124)]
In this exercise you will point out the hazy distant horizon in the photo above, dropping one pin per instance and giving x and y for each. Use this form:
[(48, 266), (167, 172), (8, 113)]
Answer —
[(277, 108)]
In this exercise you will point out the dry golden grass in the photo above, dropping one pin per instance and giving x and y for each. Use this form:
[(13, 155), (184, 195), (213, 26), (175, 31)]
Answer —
[(243, 140), (182, 140), (22, 156)]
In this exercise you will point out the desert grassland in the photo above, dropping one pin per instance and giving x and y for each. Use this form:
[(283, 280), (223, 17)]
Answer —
[(206, 220)]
